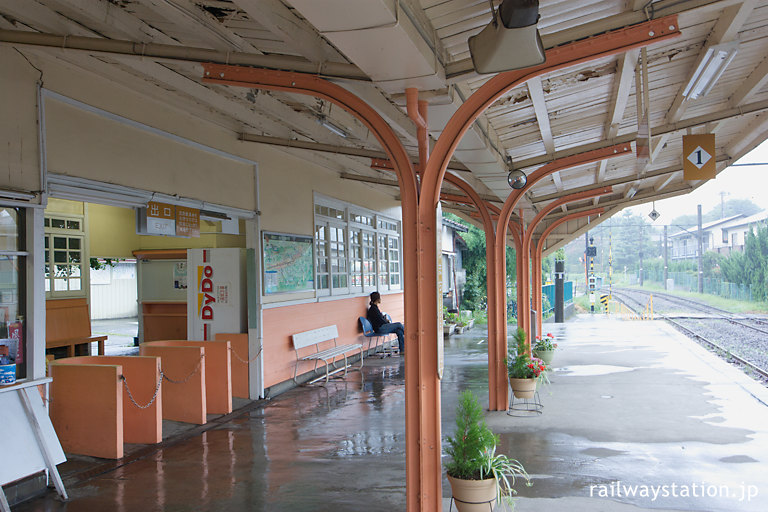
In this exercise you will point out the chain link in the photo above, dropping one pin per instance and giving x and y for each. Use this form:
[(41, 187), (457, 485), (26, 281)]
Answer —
[(245, 361), (184, 381), (130, 395)]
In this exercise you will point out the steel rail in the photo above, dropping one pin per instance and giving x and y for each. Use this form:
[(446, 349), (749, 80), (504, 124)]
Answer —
[(694, 334)]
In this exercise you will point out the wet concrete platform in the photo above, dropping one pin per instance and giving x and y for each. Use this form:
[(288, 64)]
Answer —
[(633, 408)]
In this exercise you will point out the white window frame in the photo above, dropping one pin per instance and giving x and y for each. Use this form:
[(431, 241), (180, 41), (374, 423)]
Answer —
[(50, 234), (361, 221)]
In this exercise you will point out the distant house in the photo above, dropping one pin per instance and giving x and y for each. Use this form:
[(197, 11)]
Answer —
[(721, 236), (736, 233), (453, 274)]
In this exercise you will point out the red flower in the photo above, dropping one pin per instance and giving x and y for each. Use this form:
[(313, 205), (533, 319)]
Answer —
[(530, 365), (550, 335)]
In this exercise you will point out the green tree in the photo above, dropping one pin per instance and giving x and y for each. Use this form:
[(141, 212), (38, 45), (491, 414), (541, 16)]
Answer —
[(751, 266), (475, 295)]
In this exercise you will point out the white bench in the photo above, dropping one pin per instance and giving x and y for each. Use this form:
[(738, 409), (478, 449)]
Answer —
[(328, 356)]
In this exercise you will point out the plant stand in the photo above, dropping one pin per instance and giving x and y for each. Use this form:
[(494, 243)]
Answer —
[(524, 407), (490, 504)]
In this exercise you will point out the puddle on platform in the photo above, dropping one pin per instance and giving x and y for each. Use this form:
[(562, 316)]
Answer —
[(589, 370)]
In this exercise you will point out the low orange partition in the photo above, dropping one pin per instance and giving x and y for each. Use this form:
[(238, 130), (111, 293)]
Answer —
[(239, 361), (91, 410), (184, 366)]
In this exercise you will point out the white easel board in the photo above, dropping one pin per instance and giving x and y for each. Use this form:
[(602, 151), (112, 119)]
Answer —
[(23, 454)]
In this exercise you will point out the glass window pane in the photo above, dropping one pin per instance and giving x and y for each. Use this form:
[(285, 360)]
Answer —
[(73, 224), (74, 284), (60, 256), (74, 271), (58, 223), (343, 281), (47, 223), (60, 285), (59, 242), (323, 282), (74, 243), (9, 232), (74, 256), (47, 242)]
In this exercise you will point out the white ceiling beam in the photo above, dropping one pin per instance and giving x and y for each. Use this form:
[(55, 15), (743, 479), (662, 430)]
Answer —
[(294, 31), (122, 24), (536, 93), (220, 108), (664, 182), (731, 113), (622, 86), (302, 37), (758, 130), (463, 69), (754, 82), (190, 16), (725, 30)]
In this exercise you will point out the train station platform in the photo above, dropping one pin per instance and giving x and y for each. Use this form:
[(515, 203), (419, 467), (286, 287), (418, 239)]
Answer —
[(637, 416)]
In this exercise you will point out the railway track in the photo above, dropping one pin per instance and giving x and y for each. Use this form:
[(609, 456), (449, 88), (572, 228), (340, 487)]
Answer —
[(707, 309), (629, 298)]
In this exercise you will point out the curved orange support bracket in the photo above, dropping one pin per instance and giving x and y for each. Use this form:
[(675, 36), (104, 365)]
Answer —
[(536, 256)]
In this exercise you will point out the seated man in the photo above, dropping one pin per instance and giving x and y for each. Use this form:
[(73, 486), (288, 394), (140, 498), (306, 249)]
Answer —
[(381, 325)]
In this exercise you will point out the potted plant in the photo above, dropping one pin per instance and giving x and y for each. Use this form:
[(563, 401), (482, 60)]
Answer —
[(449, 322), (479, 477), (468, 319), (460, 327), (544, 348), (524, 371)]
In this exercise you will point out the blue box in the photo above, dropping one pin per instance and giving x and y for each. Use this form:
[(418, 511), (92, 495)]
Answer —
[(7, 374)]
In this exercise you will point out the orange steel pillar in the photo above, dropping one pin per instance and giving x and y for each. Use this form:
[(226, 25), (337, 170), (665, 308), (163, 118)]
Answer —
[(587, 157), (422, 418), (491, 281), (536, 257), (609, 43), (539, 248)]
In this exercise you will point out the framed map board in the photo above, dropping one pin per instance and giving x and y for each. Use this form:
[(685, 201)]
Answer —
[(288, 263)]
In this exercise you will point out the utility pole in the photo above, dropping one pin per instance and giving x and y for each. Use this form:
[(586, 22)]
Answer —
[(666, 258), (700, 255), (586, 266), (641, 255)]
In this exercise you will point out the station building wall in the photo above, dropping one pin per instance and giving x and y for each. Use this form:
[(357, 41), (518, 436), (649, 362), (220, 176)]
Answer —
[(84, 144)]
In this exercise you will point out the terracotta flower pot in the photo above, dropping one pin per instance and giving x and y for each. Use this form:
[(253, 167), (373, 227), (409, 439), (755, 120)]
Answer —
[(473, 495), (523, 388), (544, 355)]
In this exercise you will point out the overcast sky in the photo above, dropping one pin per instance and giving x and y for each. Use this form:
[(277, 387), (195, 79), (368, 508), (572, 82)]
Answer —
[(738, 182)]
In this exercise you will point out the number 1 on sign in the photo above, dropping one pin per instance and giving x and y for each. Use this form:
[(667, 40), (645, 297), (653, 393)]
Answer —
[(698, 157)]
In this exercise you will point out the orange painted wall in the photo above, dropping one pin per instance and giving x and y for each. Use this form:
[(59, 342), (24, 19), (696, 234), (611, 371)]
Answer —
[(183, 400), (282, 322), (87, 408), (239, 361)]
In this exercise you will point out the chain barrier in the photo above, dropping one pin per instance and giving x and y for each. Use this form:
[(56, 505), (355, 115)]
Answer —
[(245, 361), (151, 400), (184, 381)]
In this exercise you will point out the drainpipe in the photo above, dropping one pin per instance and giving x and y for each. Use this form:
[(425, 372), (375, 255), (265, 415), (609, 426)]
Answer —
[(417, 111), (183, 53)]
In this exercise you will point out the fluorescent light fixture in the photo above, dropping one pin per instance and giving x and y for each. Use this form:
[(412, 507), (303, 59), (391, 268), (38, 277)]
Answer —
[(325, 123), (712, 65)]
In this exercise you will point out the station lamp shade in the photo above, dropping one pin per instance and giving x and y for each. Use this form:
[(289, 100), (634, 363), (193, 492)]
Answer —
[(716, 59), (510, 41)]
